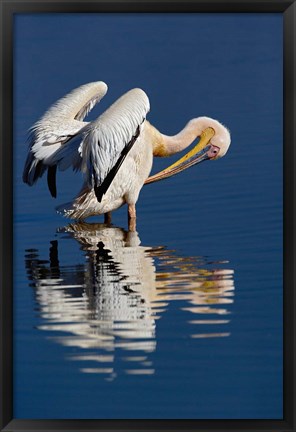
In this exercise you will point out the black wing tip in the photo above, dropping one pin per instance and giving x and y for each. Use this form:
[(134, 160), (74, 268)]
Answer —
[(33, 170), (25, 179), (99, 193), (51, 180)]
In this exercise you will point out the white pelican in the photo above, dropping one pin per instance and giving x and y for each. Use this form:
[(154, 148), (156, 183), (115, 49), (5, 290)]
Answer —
[(115, 151)]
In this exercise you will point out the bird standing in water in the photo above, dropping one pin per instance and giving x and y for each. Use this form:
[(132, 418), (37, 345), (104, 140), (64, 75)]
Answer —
[(114, 152)]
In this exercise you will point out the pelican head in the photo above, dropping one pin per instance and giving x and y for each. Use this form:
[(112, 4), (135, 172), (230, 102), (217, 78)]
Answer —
[(220, 141), (214, 141)]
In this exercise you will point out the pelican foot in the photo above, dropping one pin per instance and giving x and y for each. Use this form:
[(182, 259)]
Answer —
[(132, 224), (132, 217)]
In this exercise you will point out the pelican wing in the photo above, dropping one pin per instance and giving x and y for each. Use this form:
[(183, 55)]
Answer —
[(58, 125), (100, 148)]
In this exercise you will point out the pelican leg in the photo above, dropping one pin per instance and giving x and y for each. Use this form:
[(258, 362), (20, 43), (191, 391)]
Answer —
[(132, 217), (107, 218)]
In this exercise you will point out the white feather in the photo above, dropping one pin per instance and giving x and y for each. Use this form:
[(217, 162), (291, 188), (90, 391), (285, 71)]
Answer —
[(60, 122), (100, 143)]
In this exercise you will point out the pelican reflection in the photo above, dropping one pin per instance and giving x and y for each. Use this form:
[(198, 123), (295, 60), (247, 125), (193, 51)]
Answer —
[(108, 303)]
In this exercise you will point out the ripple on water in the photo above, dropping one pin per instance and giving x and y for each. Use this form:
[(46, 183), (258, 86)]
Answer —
[(107, 307)]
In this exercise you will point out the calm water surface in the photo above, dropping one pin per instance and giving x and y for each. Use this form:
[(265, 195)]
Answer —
[(183, 318)]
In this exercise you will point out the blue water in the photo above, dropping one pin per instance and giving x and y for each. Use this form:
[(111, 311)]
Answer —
[(182, 319)]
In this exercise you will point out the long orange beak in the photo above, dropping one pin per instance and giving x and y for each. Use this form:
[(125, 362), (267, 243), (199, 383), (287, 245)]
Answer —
[(193, 157)]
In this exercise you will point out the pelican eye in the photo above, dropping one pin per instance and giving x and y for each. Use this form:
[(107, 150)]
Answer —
[(213, 152)]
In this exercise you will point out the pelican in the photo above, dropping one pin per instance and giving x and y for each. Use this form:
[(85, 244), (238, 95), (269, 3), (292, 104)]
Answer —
[(114, 152)]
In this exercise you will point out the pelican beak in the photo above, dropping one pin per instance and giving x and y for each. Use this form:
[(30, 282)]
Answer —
[(198, 154)]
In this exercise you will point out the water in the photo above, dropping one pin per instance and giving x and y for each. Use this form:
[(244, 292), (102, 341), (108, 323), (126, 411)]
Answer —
[(183, 318)]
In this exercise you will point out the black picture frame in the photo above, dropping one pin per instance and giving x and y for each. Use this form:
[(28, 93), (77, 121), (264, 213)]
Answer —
[(8, 9)]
